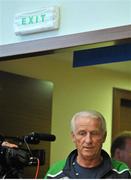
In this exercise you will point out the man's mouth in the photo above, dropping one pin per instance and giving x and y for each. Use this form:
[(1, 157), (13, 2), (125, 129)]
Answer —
[(85, 147)]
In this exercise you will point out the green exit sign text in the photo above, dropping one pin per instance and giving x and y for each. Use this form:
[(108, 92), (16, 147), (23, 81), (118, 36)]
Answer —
[(33, 19), (42, 20)]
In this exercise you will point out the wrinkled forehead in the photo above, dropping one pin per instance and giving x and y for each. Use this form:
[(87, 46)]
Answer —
[(88, 122)]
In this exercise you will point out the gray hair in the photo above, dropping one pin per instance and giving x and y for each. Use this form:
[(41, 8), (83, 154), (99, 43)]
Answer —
[(89, 113)]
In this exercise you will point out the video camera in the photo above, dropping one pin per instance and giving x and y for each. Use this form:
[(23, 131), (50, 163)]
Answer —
[(13, 160)]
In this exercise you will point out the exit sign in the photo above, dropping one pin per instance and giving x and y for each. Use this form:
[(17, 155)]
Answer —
[(37, 21)]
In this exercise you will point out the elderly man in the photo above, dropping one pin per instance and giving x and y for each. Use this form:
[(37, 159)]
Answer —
[(88, 160)]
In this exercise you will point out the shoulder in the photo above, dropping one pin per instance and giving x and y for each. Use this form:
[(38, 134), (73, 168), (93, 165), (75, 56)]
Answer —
[(56, 168), (119, 167)]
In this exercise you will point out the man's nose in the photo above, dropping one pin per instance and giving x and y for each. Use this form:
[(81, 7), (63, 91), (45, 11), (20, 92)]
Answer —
[(88, 138)]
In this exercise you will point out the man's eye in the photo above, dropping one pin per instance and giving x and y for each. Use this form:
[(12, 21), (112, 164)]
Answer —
[(94, 133), (82, 133)]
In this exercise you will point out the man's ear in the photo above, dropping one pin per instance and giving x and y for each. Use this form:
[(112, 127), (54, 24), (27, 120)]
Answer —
[(117, 154), (73, 136), (104, 137)]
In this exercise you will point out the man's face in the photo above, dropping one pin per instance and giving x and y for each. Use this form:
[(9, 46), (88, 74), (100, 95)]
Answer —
[(125, 154), (88, 137)]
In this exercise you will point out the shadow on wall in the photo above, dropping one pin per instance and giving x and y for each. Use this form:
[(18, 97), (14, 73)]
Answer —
[(26, 105)]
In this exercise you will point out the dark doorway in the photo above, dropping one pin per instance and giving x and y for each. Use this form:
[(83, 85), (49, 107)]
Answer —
[(25, 107), (121, 111)]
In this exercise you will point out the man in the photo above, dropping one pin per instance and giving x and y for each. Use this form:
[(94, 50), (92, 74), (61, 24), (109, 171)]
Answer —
[(121, 148), (88, 160)]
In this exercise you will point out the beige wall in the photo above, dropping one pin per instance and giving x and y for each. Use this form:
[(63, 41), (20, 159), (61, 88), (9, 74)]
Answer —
[(75, 89)]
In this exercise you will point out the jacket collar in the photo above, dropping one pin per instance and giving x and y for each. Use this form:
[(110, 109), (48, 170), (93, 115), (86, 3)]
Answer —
[(71, 173)]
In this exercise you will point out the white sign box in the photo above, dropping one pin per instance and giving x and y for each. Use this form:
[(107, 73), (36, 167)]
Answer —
[(37, 21)]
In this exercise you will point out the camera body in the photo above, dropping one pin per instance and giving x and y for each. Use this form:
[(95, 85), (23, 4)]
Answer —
[(13, 157), (13, 161)]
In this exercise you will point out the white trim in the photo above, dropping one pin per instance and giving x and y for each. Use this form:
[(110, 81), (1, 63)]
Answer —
[(120, 172), (54, 174)]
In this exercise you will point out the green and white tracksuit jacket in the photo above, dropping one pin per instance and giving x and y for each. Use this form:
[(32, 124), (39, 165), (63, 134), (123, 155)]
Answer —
[(111, 169)]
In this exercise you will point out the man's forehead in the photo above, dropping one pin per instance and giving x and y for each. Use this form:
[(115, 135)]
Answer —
[(88, 126), (87, 120)]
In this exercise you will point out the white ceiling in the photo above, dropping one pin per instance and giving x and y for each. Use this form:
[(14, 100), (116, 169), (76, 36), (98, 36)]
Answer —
[(62, 48)]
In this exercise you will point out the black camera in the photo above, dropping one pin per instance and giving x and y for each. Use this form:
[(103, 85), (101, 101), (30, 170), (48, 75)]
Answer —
[(13, 160), (13, 157)]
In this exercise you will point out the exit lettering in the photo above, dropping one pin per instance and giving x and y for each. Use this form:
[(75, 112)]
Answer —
[(33, 19)]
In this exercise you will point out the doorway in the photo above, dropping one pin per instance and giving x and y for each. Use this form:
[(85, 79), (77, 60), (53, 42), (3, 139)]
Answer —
[(121, 111)]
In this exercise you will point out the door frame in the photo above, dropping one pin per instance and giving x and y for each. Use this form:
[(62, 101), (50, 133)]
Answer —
[(118, 94)]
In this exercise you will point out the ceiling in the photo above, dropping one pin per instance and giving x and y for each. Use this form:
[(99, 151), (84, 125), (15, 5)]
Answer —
[(62, 48), (66, 54)]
